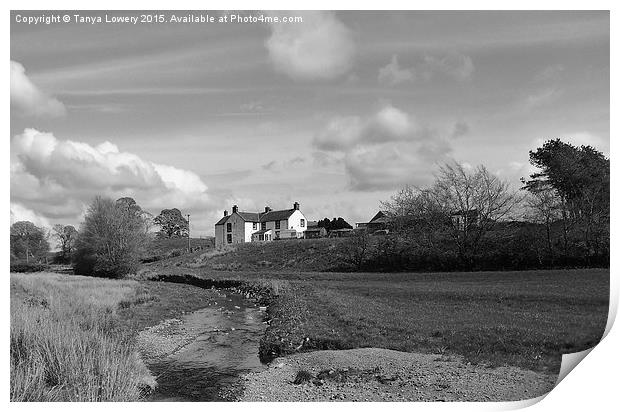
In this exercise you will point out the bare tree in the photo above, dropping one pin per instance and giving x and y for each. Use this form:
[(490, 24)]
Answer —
[(463, 204), (479, 196)]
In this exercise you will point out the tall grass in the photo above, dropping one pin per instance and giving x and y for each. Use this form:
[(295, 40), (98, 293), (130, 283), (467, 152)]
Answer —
[(65, 342)]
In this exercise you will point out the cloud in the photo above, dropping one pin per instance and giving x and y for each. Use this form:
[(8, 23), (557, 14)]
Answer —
[(392, 74), (321, 47), (386, 125), (20, 213), (457, 66), (540, 98), (551, 72), (392, 166), (56, 178), (461, 128), (27, 99), (382, 151)]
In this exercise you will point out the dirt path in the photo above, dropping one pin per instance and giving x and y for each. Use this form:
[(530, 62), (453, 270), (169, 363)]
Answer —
[(373, 374)]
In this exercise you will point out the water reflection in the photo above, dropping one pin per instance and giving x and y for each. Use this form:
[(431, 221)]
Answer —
[(209, 368)]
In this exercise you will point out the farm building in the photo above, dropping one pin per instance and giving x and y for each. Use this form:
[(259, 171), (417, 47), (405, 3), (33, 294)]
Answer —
[(241, 227), (314, 231), (378, 222)]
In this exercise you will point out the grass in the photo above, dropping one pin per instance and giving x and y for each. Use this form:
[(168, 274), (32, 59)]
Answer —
[(72, 337), (295, 254), (64, 341), (526, 319), (159, 248)]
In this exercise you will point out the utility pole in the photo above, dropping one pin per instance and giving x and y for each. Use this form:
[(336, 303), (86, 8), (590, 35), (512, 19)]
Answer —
[(189, 246)]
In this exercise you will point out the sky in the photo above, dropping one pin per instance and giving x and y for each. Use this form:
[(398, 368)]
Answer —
[(336, 112)]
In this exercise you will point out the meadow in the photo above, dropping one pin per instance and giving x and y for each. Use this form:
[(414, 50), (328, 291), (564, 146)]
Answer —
[(72, 337), (520, 318)]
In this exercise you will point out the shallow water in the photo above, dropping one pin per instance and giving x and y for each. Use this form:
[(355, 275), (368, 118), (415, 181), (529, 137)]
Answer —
[(209, 368)]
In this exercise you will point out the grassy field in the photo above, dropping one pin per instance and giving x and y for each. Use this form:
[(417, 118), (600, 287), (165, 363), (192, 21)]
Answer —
[(296, 254), (527, 319), (159, 249), (72, 337)]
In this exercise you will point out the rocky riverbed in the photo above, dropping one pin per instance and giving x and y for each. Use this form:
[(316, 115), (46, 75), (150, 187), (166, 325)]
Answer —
[(202, 355), (373, 374)]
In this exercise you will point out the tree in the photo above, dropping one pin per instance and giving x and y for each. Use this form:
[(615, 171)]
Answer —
[(414, 212), (28, 241), (110, 239), (131, 206), (477, 195), (543, 207), (581, 177), (357, 248), (172, 223), (65, 236), (335, 223)]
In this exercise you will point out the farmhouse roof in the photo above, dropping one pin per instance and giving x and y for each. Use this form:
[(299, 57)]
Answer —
[(381, 216), (270, 216), (276, 215), (249, 216)]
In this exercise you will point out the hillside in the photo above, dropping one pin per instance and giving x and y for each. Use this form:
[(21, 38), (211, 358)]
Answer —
[(159, 249), (300, 255)]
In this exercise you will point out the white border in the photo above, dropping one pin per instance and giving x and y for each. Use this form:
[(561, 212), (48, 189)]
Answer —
[(592, 386)]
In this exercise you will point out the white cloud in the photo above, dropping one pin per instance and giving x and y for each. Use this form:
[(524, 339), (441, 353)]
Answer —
[(392, 74), (391, 166), (20, 213), (56, 178), (540, 98), (458, 66), (383, 151), (321, 47), (387, 125), (551, 72), (27, 99)]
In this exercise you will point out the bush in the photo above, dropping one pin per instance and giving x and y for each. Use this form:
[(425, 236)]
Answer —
[(110, 240), (24, 267)]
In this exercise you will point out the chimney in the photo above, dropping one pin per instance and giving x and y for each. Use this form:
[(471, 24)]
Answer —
[(267, 209), (235, 209), (296, 206), (225, 213)]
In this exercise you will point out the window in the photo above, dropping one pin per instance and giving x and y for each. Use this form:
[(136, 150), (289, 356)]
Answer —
[(229, 228), (263, 226), (277, 224), (254, 226), (302, 222), (229, 237)]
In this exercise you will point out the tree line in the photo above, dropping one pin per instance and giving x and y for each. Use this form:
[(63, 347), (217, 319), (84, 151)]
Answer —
[(109, 243), (470, 219)]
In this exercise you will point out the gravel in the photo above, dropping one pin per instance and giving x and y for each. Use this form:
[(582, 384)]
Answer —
[(373, 374)]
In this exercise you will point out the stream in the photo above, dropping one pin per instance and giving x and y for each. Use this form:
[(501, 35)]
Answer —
[(227, 335)]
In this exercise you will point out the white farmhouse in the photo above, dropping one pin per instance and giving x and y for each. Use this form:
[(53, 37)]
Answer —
[(240, 227)]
